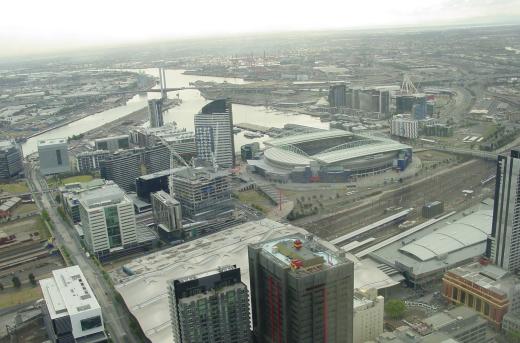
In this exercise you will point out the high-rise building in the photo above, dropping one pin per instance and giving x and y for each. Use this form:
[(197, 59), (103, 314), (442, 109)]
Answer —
[(54, 156), (108, 220), (338, 96), (301, 291), (503, 246), (210, 307), (112, 143), (182, 141), (167, 214), (87, 161), (155, 111), (369, 315), (202, 192), (214, 133), (71, 312), (122, 167), (404, 127), (10, 159)]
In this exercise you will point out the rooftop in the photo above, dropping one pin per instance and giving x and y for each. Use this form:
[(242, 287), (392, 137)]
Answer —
[(105, 195), (52, 141), (67, 292), (6, 145), (145, 290), (308, 137), (423, 251)]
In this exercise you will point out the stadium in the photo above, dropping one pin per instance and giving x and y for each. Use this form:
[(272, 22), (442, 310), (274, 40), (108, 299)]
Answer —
[(329, 156)]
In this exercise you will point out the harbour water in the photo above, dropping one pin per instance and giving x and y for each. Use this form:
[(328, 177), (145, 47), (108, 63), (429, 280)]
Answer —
[(192, 102)]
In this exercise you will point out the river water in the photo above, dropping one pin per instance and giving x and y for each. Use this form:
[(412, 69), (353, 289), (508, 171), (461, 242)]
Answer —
[(192, 102)]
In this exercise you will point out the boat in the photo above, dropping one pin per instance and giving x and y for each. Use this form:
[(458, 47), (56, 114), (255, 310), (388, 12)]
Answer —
[(237, 130), (253, 135)]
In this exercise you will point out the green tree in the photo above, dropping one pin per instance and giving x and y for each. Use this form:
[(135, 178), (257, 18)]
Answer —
[(32, 279), (16, 282), (395, 308)]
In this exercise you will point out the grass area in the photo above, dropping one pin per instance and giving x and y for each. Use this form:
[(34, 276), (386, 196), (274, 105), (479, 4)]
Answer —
[(254, 199), (52, 182), (42, 228), (14, 188), (11, 297), (25, 208)]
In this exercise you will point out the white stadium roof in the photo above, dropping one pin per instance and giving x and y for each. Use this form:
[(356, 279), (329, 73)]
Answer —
[(360, 151), (308, 137)]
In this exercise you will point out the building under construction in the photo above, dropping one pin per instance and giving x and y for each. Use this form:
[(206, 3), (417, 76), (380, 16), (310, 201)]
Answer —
[(203, 192)]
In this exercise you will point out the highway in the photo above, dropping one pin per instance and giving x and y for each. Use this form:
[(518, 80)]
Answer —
[(115, 316)]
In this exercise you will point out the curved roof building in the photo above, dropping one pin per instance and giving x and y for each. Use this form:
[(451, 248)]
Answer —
[(331, 151)]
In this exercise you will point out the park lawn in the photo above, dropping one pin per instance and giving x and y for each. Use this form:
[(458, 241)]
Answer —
[(14, 188), (11, 297), (72, 179), (254, 199)]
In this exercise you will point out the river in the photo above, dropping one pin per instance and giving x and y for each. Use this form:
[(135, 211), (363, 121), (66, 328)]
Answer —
[(192, 102)]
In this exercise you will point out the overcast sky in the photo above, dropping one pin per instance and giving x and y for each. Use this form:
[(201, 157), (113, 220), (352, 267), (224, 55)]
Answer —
[(30, 26)]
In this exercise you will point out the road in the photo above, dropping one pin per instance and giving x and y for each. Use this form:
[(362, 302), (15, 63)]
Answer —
[(115, 316)]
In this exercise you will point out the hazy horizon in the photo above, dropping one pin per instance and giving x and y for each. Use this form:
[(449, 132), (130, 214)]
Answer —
[(45, 28)]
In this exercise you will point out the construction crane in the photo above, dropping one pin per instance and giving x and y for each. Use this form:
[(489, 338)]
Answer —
[(173, 156)]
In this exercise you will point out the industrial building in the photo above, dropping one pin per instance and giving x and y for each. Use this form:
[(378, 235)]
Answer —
[(423, 253), (88, 161), (71, 312), (329, 156), (504, 244), (214, 133), (481, 286), (301, 291), (404, 127), (143, 281), (69, 195), (11, 159), (122, 167), (203, 192), (155, 110), (108, 220), (369, 312), (54, 156), (113, 143), (167, 215), (212, 306)]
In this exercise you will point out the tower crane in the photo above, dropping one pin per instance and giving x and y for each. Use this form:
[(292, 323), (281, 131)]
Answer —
[(173, 156)]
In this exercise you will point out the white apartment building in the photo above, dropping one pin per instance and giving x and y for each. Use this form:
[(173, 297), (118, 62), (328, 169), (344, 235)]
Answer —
[(404, 127), (54, 156), (71, 311), (369, 311), (108, 219)]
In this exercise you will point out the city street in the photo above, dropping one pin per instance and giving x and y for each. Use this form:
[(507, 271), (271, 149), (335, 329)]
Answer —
[(115, 317)]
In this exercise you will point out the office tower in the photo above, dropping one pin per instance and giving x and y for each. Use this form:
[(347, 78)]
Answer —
[(10, 159), (123, 167), (503, 246), (70, 196), (404, 103), (155, 111), (181, 140), (301, 291), (54, 156), (214, 133), (108, 220), (202, 192), (112, 143), (167, 214), (249, 151), (404, 127), (369, 313), (210, 307), (147, 184), (88, 161), (338, 96), (71, 312), (384, 102)]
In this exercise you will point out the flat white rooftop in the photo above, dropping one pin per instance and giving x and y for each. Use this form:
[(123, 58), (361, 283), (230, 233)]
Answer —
[(51, 141), (67, 292)]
